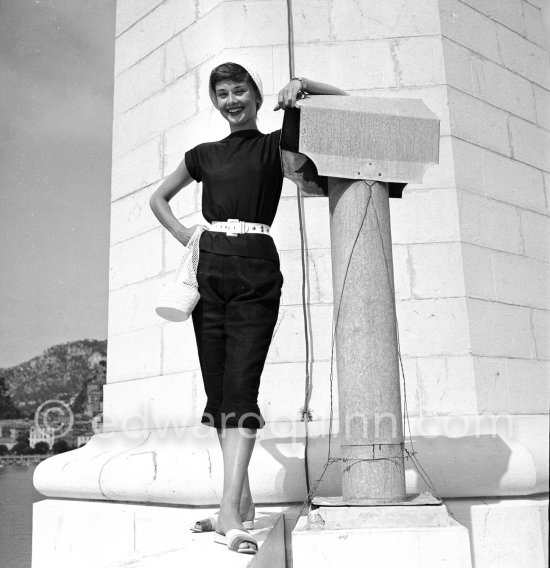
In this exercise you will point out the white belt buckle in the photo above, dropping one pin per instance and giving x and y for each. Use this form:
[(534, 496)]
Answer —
[(229, 233)]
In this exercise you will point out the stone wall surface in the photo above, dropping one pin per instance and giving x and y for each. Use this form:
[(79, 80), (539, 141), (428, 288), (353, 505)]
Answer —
[(497, 84)]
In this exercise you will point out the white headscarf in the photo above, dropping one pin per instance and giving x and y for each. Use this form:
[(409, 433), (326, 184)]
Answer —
[(253, 75)]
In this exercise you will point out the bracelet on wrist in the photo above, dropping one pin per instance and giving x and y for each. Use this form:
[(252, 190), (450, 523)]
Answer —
[(302, 84)]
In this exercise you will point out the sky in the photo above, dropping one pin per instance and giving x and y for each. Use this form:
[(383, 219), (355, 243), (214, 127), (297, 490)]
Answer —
[(56, 86)]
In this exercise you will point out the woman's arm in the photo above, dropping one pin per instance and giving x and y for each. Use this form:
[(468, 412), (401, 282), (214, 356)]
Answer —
[(289, 93), (162, 195)]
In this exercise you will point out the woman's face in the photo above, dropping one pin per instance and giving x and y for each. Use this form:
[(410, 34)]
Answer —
[(237, 103)]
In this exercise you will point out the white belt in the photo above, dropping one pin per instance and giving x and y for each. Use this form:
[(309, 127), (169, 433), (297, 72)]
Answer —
[(234, 227)]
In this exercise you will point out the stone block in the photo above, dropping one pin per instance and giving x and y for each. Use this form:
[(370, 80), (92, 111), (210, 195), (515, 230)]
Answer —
[(134, 355), (524, 57), (489, 223), (478, 122), (499, 455), (419, 60), (128, 12), (479, 278), (536, 235), (505, 533), (534, 24), (547, 189), (137, 168), (541, 330), (429, 328), (312, 20), (439, 176), (138, 82), (468, 166), (179, 347), (402, 272), (282, 392), (410, 392), (288, 343), (446, 385), (286, 228), (507, 13), (511, 181), (143, 536), (368, 19), (162, 402), (204, 6), (136, 259), (542, 100), (521, 281), (500, 330), (369, 64), (132, 216), (424, 216), (537, 3), (530, 143), (133, 307), (183, 137), (155, 115), (458, 65), (255, 23), (492, 386), (414, 547), (152, 30), (363, 144), (529, 388), (436, 270), (70, 523), (318, 272), (513, 93), (470, 28), (186, 50), (433, 96)]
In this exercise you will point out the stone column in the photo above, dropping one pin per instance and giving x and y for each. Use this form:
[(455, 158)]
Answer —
[(371, 437)]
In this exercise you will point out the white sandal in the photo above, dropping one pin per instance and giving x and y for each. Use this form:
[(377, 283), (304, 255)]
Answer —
[(209, 525), (233, 539)]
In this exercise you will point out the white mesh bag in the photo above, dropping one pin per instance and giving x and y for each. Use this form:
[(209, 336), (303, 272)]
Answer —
[(178, 299)]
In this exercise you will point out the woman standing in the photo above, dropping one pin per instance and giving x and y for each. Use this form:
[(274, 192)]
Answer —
[(238, 275)]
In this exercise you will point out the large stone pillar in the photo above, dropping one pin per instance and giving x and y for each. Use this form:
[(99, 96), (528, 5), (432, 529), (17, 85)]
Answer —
[(371, 430)]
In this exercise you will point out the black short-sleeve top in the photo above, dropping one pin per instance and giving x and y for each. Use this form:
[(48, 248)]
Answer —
[(241, 179)]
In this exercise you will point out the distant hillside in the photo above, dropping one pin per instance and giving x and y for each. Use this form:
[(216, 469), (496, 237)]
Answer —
[(61, 372)]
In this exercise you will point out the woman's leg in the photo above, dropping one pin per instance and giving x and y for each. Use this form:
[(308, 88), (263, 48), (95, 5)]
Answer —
[(247, 509), (237, 445)]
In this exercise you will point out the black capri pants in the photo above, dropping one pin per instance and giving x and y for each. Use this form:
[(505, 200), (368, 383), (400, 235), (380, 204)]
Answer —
[(234, 322)]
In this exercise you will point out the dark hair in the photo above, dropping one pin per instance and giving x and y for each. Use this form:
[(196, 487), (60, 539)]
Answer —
[(232, 72)]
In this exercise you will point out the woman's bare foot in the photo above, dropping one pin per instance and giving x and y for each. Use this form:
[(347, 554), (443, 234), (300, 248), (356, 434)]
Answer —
[(228, 518)]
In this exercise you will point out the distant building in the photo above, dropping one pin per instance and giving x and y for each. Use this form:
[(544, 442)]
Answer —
[(41, 435), (94, 391), (82, 440)]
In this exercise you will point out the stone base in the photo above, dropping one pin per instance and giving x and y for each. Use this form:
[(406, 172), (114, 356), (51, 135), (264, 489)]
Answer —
[(505, 533), (114, 535), (415, 537)]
